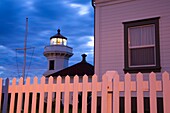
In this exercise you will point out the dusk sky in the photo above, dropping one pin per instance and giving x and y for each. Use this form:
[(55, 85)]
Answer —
[(73, 17)]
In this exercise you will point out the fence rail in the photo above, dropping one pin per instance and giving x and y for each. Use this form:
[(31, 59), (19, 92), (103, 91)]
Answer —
[(109, 89)]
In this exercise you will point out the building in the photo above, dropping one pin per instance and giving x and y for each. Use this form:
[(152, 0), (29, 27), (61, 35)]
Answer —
[(81, 68), (132, 36), (57, 53)]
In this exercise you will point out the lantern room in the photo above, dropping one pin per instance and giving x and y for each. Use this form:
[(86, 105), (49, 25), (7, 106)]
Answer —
[(58, 39)]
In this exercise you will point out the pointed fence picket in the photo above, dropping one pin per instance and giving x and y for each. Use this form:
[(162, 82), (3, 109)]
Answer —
[(109, 89), (75, 94), (58, 94)]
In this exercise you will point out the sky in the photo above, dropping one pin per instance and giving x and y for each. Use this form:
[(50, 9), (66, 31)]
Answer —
[(73, 17)]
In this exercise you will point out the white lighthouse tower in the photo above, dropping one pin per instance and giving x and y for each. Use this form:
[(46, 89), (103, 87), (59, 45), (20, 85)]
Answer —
[(57, 53)]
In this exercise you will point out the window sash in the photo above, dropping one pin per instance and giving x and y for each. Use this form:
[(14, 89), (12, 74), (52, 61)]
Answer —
[(142, 57), (141, 44)]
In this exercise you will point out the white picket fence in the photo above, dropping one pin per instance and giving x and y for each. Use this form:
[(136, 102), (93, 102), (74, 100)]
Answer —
[(109, 90)]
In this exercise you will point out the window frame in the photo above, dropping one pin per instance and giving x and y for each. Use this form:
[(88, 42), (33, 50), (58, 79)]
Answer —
[(142, 68)]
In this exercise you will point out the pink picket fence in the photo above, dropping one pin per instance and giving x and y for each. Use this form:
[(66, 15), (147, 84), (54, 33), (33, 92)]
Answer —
[(108, 89)]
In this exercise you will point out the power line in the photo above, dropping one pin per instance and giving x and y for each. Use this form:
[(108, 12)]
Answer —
[(17, 62)]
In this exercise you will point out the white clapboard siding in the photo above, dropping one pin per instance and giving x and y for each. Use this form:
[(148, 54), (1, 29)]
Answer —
[(109, 89)]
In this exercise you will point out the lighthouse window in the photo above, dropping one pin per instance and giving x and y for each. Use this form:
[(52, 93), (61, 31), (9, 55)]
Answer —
[(51, 65), (53, 41), (59, 41), (64, 42)]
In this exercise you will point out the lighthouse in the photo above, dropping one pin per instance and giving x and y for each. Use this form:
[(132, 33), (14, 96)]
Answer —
[(57, 53)]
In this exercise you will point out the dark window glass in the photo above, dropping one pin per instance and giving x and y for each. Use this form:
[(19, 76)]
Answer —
[(51, 65)]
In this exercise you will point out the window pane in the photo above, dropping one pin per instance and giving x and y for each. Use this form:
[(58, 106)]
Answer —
[(51, 65), (142, 35), (135, 36), (53, 41), (59, 41), (64, 42), (142, 56), (148, 35)]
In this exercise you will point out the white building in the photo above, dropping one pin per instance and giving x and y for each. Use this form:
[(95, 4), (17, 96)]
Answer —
[(57, 53), (132, 36)]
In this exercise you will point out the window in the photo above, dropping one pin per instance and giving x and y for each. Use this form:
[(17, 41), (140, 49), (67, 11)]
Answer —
[(51, 65), (141, 46), (58, 41)]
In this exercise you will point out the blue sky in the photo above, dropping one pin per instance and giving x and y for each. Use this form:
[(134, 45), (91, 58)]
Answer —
[(73, 17)]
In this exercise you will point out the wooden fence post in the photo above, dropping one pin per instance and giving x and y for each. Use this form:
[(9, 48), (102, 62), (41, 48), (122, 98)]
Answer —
[(94, 94), (42, 87), (111, 100), (58, 95), (75, 94), (127, 93), (5, 90), (12, 96), (84, 94), (26, 103), (116, 93), (166, 92), (66, 94), (20, 95), (153, 102), (34, 95), (104, 94), (50, 93), (110, 75), (140, 105)]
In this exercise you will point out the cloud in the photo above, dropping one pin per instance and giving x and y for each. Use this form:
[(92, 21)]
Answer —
[(81, 9), (91, 41), (6, 50), (2, 68), (29, 5)]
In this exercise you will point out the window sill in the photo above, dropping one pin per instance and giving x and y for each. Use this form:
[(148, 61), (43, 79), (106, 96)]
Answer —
[(142, 69)]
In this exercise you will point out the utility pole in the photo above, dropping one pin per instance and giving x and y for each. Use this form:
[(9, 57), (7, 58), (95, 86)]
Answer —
[(25, 49)]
